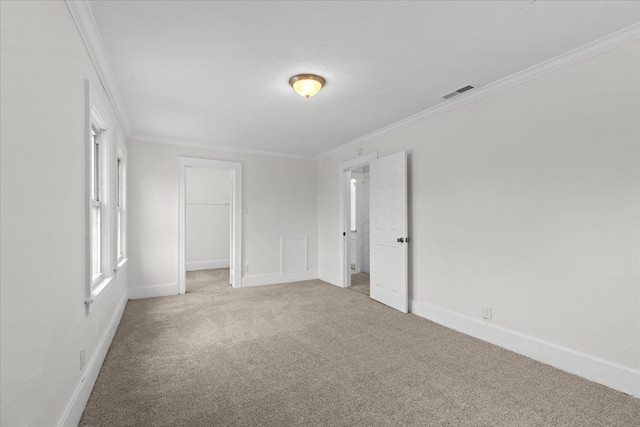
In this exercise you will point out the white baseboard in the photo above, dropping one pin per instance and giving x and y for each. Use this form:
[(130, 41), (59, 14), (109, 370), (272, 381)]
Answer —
[(207, 265), (272, 279), (75, 408), (153, 291), (328, 277), (609, 374)]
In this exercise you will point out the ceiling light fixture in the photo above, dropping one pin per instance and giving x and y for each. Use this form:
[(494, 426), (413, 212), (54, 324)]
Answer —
[(306, 85)]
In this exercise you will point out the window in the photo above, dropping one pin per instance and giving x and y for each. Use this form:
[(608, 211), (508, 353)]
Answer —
[(99, 201), (353, 204), (99, 269), (96, 206), (121, 216)]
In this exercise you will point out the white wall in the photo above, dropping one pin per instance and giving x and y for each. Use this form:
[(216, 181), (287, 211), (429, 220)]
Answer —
[(43, 320), (279, 198), (207, 218), (527, 201)]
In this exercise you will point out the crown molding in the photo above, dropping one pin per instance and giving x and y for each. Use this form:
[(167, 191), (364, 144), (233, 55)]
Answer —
[(83, 17), (589, 50), (216, 147)]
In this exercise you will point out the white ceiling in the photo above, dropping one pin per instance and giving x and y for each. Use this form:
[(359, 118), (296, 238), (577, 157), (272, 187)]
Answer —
[(218, 72)]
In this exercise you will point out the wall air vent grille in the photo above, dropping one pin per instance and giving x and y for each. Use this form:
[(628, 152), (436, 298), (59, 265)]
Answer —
[(457, 92)]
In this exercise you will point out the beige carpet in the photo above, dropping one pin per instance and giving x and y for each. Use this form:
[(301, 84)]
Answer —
[(360, 283), (207, 280), (312, 354)]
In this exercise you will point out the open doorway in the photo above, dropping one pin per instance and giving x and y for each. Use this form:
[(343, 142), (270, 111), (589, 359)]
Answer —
[(354, 248), (388, 231), (208, 228), (359, 235), (209, 223)]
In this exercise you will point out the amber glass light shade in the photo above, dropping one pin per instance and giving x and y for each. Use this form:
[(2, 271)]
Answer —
[(306, 85)]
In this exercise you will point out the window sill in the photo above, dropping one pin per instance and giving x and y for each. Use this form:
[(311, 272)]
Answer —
[(99, 291), (122, 262)]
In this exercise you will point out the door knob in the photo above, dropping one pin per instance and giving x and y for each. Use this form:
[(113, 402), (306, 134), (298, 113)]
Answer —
[(400, 239)]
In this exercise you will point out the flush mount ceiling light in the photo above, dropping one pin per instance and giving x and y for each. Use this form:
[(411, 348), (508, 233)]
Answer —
[(306, 85)]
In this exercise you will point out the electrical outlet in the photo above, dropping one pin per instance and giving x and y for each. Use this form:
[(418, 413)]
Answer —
[(487, 312), (82, 358), (246, 268)]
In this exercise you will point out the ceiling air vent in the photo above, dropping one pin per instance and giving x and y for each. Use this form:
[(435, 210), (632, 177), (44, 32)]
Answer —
[(457, 92)]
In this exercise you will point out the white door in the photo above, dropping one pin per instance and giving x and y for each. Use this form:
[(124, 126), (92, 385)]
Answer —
[(365, 235), (232, 249), (354, 251), (359, 235), (353, 223), (389, 254)]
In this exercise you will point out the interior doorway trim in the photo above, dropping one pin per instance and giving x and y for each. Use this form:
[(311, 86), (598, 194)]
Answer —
[(343, 213), (235, 168)]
